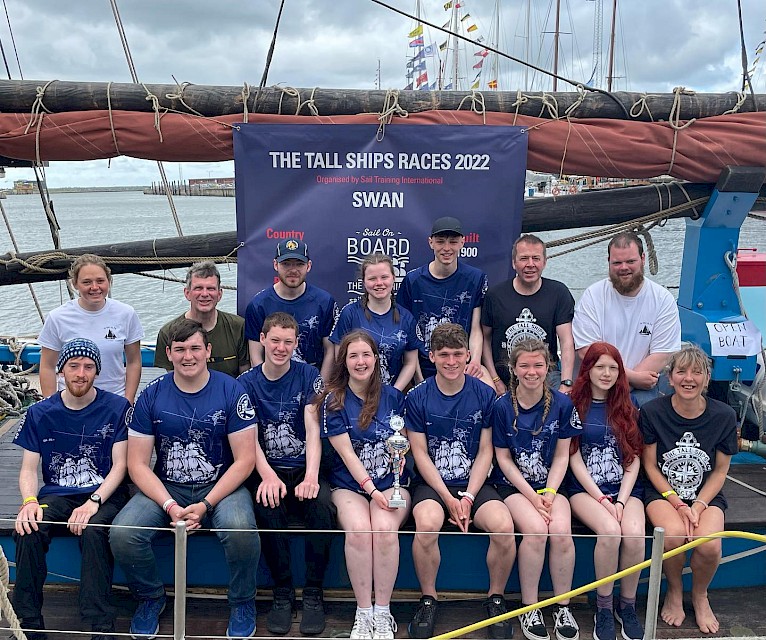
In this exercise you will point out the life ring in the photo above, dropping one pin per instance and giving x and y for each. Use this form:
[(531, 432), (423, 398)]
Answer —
[(555, 191), (572, 189)]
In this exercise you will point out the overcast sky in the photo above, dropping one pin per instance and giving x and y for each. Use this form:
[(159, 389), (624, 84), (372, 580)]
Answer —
[(340, 43)]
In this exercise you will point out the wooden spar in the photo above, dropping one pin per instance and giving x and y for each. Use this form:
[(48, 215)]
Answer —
[(590, 208), (19, 96)]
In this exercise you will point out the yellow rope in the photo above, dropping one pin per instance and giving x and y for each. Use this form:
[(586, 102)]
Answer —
[(593, 585)]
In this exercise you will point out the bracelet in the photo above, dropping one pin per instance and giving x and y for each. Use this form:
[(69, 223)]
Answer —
[(208, 506), (168, 505), (665, 494), (28, 500), (680, 504), (496, 379), (620, 502), (702, 502), (372, 493), (364, 482), (547, 490), (467, 494), (602, 498)]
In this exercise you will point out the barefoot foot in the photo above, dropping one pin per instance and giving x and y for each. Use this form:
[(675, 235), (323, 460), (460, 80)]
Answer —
[(673, 609), (706, 620)]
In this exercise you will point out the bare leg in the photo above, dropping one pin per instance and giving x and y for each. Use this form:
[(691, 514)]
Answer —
[(385, 547), (633, 546), (704, 563), (662, 514), (605, 556), (494, 517), (429, 516), (562, 553), (354, 518), (531, 556)]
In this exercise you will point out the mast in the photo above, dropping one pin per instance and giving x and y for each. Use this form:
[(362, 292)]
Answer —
[(527, 46), (556, 36), (495, 56), (456, 40), (610, 76)]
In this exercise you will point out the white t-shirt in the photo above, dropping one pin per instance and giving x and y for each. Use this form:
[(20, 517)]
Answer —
[(111, 328), (638, 326)]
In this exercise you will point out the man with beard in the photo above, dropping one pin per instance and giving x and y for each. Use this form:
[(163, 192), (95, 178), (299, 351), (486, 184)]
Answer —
[(314, 309), (528, 306), (226, 331), (637, 316), (79, 435)]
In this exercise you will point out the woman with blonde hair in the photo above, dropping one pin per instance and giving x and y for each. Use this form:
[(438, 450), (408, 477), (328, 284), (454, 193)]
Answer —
[(114, 326)]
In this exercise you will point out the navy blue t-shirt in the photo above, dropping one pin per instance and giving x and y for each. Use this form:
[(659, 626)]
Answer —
[(315, 312), (369, 444), (452, 425), (532, 454), (434, 301), (280, 406), (75, 446), (393, 339), (191, 430)]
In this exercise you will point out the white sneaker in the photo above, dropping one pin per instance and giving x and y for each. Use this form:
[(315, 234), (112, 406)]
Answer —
[(384, 626), (362, 629)]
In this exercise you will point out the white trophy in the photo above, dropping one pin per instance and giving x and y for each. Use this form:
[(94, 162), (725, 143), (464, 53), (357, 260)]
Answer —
[(398, 446)]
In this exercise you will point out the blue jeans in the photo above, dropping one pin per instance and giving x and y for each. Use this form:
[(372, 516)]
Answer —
[(662, 388), (132, 548)]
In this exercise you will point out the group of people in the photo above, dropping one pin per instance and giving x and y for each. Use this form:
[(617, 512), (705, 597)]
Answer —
[(290, 410)]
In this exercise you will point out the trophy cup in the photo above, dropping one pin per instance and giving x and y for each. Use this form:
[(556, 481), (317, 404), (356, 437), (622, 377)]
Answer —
[(397, 446)]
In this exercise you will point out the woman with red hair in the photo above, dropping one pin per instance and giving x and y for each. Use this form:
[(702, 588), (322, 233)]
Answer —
[(603, 488)]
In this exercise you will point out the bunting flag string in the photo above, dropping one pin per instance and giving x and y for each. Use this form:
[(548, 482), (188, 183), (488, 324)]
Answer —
[(492, 84), (417, 42)]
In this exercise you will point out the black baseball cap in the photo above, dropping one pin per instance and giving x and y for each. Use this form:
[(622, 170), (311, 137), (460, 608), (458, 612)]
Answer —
[(292, 250), (447, 225)]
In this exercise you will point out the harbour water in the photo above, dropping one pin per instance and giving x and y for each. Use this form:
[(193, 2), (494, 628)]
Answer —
[(101, 218)]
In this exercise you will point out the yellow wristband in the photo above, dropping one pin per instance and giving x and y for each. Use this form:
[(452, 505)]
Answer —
[(547, 490), (665, 494), (28, 500), (496, 379)]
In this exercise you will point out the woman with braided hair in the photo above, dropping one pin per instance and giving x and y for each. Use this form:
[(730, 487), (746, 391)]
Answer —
[(391, 326), (603, 486), (531, 429)]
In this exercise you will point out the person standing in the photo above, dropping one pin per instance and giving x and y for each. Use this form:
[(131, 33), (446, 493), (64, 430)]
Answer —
[(636, 315), (287, 465), (528, 307), (314, 309), (79, 438), (226, 331), (114, 326), (201, 426), (446, 290)]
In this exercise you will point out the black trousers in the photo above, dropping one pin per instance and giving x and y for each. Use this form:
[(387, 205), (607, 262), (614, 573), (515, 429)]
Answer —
[(97, 565), (318, 513)]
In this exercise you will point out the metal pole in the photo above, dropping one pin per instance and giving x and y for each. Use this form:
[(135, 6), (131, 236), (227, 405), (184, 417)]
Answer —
[(655, 580), (179, 604)]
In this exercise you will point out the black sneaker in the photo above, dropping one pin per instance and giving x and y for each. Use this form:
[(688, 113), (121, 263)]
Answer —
[(533, 625), (102, 631), (632, 629), (313, 619), (424, 620), (280, 618), (36, 626), (564, 624), (603, 625), (495, 606)]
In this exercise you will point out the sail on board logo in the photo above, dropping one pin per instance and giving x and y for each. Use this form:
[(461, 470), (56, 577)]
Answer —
[(387, 241), (291, 245)]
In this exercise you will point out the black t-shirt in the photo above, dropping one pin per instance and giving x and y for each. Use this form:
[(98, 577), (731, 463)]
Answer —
[(686, 449), (514, 317)]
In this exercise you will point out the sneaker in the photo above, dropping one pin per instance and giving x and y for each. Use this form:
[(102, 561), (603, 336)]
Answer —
[(632, 629), (146, 620), (495, 606), (36, 628), (362, 629), (280, 618), (564, 625), (313, 620), (424, 620), (242, 620), (102, 631), (603, 625), (383, 626), (533, 625)]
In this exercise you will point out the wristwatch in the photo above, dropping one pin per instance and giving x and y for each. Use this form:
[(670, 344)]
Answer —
[(94, 497), (567, 382)]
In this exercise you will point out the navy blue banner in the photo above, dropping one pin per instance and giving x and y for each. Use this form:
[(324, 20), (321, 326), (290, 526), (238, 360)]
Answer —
[(346, 194)]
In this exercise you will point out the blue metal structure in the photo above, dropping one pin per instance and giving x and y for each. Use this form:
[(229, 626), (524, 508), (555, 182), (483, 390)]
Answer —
[(706, 293)]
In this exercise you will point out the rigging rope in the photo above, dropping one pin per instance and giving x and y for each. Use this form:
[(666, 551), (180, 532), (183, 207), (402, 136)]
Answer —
[(16, 248)]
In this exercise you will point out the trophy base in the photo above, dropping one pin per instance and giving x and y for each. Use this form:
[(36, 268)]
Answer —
[(397, 503)]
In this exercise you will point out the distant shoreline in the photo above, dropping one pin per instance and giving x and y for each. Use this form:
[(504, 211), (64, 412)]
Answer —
[(13, 192)]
